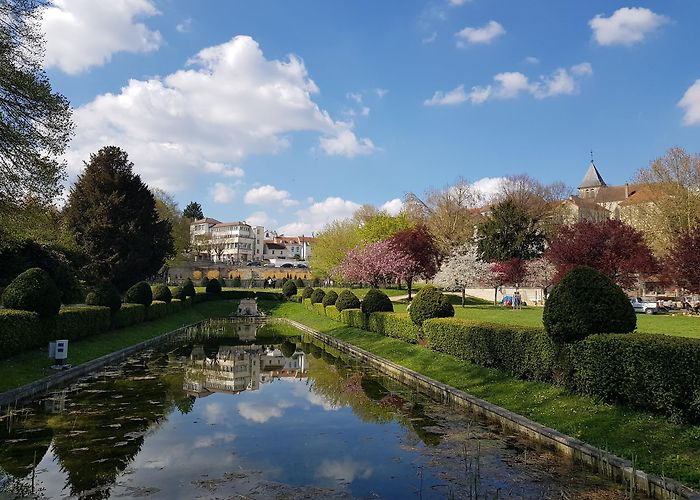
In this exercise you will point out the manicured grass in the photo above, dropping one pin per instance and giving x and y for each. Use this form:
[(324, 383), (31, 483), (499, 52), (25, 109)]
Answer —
[(33, 365), (657, 445), (678, 325)]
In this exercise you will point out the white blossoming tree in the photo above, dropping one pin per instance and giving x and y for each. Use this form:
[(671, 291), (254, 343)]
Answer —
[(463, 269)]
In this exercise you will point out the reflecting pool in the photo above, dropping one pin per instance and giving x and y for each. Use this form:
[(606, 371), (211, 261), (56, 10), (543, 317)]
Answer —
[(239, 411)]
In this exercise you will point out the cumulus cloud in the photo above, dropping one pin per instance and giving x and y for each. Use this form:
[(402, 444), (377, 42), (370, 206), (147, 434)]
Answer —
[(392, 207), (381, 92), (229, 103), (485, 34), (259, 413), (222, 193), (318, 214), (343, 470), (84, 33), (261, 218), (512, 84), (225, 170), (691, 104), (532, 60), (269, 195), (184, 26), (488, 187), (626, 26)]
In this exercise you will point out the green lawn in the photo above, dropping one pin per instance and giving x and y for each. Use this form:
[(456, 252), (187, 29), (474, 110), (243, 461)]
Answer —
[(33, 365), (658, 446), (678, 325)]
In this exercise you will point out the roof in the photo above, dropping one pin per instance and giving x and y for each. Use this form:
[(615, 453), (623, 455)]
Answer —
[(609, 194), (583, 203), (207, 220), (227, 224), (592, 178), (274, 246), (643, 194)]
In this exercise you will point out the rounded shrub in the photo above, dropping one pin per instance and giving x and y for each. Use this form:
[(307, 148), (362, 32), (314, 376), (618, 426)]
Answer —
[(586, 302), (105, 295), (214, 287), (317, 296), (330, 298), (347, 300), (430, 303), (306, 293), (204, 282), (316, 282), (299, 283), (289, 289), (236, 282), (162, 292), (33, 290), (376, 301), (188, 289), (140, 293), (179, 293)]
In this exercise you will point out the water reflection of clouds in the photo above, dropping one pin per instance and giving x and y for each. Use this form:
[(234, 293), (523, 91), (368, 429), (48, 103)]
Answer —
[(218, 438), (314, 398), (214, 413), (343, 470), (260, 413)]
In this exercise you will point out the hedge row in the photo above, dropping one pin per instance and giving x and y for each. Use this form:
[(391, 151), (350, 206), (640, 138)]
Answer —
[(659, 373), (237, 295), (23, 330)]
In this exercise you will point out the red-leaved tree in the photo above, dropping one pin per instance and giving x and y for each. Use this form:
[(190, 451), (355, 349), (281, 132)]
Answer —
[(683, 262), (423, 256), (612, 247), (510, 272)]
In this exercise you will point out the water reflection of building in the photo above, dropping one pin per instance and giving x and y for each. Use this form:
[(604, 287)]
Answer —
[(234, 369)]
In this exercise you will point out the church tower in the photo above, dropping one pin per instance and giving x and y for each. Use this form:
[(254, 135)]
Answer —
[(591, 183)]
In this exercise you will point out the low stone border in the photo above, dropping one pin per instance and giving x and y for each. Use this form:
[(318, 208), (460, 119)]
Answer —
[(16, 396), (606, 463)]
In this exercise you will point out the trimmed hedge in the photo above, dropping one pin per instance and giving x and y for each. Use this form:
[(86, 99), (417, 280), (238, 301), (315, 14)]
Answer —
[(269, 295), (306, 293), (397, 325), (140, 293), (429, 303), (188, 289), (330, 298), (376, 301), (347, 300), (129, 314), (657, 372), (105, 295), (78, 322), (333, 313), (22, 330), (156, 310), (521, 351), (162, 293), (33, 290), (213, 286), (319, 309), (354, 317), (318, 296), (289, 289), (176, 306)]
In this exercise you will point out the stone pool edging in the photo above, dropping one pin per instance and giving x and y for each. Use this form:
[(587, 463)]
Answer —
[(28, 391), (612, 466)]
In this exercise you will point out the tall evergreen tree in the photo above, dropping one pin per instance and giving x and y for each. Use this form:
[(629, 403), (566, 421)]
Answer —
[(113, 215), (193, 211), (509, 232)]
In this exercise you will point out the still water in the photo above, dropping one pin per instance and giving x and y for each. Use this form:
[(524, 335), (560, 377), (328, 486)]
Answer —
[(235, 413)]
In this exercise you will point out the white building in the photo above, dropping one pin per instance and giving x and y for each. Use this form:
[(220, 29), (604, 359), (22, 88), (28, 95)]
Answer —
[(228, 242)]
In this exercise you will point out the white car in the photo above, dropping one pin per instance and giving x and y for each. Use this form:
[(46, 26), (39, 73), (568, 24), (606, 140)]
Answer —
[(644, 306)]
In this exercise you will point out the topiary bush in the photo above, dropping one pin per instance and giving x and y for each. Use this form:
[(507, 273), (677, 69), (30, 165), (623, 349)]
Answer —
[(213, 286), (105, 295), (33, 290), (430, 303), (188, 289), (299, 283), (376, 301), (317, 296), (179, 293), (204, 282), (289, 289), (236, 281), (347, 300), (330, 298), (586, 302), (162, 293), (306, 293), (140, 293)]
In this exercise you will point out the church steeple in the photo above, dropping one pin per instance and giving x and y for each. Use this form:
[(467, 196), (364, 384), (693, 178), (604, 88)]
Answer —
[(592, 182)]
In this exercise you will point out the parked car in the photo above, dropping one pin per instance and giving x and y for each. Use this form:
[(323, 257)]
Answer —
[(303, 266), (644, 306), (254, 264), (287, 264)]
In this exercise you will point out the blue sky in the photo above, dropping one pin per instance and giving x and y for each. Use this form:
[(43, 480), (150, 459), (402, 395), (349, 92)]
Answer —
[(291, 114)]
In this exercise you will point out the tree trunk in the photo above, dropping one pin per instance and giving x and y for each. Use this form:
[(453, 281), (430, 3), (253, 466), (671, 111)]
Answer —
[(495, 295), (409, 283), (464, 296)]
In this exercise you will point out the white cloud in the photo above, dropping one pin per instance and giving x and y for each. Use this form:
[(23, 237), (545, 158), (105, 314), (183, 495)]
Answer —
[(488, 187), (345, 143), (457, 3), (512, 84), (214, 413), (691, 104), (344, 471), (185, 26), (259, 413), (318, 214), (485, 34), (85, 33), (220, 168), (381, 92), (222, 193), (269, 195), (228, 104), (627, 26), (532, 60), (355, 96), (392, 207), (261, 219)]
